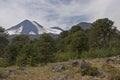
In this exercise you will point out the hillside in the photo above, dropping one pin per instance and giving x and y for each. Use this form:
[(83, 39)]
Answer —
[(107, 70)]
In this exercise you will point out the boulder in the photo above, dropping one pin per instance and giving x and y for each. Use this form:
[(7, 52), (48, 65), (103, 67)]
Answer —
[(58, 68), (75, 64), (84, 64), (113, 60), (11, 72), (21, 67), (109, 61)]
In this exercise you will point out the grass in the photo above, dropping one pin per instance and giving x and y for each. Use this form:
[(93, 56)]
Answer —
[(71, 73), (100, 53), (113, 72)]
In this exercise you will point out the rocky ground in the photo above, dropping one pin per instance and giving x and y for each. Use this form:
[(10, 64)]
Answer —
[(89, 69)]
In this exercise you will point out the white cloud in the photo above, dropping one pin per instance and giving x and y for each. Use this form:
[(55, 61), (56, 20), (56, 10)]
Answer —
[(61, 13)]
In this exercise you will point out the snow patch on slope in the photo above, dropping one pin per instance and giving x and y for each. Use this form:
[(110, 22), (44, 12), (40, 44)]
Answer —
[(16, 31), (40, 29), (55, 31), (32, 33)]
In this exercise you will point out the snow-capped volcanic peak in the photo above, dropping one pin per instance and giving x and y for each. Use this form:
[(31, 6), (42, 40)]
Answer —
[(32, 28)]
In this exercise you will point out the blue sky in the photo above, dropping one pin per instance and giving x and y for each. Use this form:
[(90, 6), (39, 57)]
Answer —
[(62, 13)]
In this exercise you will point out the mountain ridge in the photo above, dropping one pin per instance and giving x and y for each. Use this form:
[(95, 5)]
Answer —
[(34, 29), (85, 25), (28, 27)]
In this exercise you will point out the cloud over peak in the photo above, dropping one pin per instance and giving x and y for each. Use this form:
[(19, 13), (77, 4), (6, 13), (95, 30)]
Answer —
[(63, 13)]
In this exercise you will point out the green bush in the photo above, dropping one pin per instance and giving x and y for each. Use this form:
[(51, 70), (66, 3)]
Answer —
[(90, 71), (98, 53), (65, 56), (3, 63)]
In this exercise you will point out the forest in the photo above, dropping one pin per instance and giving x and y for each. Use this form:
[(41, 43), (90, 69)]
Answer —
[(101, 40)]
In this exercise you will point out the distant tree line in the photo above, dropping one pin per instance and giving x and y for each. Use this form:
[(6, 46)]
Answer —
[(102, 39)]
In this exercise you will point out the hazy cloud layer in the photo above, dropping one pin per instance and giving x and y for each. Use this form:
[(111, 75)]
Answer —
[(63, 13)]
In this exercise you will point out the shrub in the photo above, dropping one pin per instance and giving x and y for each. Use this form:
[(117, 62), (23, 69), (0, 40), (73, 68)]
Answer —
[(3, 63), (65, 56), (77, 70), (90, 71), (98, 53)]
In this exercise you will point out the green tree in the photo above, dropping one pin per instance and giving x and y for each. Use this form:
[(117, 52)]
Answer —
[(3, 41), (3, 44), (21, 38), (28, 55), (74, 29), (79, 42), (2, 29), (115, 41), (2, 32), (45, 47), (63, 34), (101, 32), (13, 49), (60, 41)]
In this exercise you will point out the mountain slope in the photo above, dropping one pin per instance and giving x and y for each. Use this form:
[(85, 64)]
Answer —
[(31, 28), (85, 25)]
